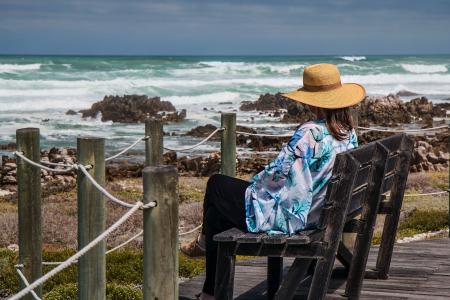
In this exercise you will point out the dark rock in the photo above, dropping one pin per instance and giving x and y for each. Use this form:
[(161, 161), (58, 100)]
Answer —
[(133, 109), (267, 102), (71, 112), (406, 93), (9, 146), (289, 110), (203, 131), (382, 110), (421, 109)]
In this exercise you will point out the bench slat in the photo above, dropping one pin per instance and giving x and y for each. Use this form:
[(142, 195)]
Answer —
[(250, 238), (231, 235), (274, 239)]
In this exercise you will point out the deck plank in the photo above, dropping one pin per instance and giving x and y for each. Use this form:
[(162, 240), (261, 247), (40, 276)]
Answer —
[(419, 270)]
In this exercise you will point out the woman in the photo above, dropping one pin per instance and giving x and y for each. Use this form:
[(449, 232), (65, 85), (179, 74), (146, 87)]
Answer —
[(287, 196)]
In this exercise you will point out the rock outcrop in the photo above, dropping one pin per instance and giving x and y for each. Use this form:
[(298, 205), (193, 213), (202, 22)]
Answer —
[(288, 110), (387, 110), (382, 110), (133, 109)]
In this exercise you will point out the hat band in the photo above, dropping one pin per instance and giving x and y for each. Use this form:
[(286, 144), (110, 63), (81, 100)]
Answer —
[(321, 88)]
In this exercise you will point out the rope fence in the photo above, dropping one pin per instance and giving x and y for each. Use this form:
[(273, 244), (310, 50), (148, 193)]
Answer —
[(427, 194), (37, 165), (74, 258), (196, 145), (123, 151), (107, 194), (263, 134), (158, 191), (444, 127), (25, 281)]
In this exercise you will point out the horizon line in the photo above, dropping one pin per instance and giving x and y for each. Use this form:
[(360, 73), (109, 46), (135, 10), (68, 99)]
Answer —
[(229, 55)]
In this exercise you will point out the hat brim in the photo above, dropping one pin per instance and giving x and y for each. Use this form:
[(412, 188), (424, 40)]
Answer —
[(348, 94)]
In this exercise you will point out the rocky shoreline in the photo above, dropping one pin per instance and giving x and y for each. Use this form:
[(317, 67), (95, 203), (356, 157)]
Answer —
[(132, 109), (431, 152)]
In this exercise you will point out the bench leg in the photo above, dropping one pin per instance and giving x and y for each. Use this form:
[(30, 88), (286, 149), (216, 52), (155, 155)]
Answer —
[(274, 275), (224, 284), (321, 278), (391, 220), (295, 275), (344, 255)]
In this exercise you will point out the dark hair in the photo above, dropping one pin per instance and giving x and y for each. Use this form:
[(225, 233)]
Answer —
[(339, 122)]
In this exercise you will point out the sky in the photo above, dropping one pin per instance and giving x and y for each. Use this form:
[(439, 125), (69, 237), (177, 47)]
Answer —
[(219, 27)]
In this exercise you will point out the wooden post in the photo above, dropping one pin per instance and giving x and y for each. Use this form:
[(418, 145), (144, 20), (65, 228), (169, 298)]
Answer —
[(228, 144), (154, 144), (348, 239), (161, 233), (91, 219), (30, 215)]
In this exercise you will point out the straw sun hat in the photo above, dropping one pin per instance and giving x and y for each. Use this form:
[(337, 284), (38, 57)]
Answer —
[(322, 87)]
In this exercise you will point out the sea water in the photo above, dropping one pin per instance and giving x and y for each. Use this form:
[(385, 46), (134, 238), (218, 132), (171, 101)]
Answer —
[(37, 90)]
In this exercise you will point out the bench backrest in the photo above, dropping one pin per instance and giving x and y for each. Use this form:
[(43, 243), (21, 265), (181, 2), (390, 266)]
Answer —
[(376, 168)]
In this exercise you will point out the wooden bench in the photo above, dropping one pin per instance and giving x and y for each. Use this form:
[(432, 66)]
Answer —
[(360, 179)]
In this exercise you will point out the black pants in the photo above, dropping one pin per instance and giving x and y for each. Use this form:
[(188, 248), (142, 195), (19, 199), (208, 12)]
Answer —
[(223, 208)]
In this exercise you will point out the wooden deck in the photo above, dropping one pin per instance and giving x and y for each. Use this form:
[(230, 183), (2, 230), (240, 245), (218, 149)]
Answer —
[(419, 270)]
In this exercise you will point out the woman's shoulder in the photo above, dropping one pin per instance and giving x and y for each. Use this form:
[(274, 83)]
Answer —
[(308, 133), (316, 128)]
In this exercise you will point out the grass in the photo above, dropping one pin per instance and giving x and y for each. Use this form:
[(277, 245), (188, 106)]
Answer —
[(122, 268), (419, 221)]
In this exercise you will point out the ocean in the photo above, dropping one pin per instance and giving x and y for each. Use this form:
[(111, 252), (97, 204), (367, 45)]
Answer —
[(37, 90)]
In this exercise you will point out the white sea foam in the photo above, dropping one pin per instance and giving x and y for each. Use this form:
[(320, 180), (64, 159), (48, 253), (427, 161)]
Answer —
[(353, 58), (10, 68), (235, 68), (419, 68), (61, 103), (205, 98), (125, 83), (41, 92)]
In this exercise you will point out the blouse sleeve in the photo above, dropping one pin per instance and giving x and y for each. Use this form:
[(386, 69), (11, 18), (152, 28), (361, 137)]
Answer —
[(298, 192)]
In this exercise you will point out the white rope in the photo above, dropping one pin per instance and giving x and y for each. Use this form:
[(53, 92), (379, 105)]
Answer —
[(426, 194), (53, 263), (25, 281), (403, 130), (50, 263), (196, 145), (107, 194), (77, 255), (125, 149), (57, 164), (126, 242), (37, 165), (191, 231), (263, 134)]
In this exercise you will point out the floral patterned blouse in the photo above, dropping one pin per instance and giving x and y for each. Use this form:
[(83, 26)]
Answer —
[(287, 196)]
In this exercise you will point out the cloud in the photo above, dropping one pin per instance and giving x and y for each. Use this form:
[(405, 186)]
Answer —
[(223, 27)]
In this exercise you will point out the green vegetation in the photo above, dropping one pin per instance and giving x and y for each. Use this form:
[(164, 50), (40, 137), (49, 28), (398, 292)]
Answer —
[(113, 292), (122, 268), (418, 222)]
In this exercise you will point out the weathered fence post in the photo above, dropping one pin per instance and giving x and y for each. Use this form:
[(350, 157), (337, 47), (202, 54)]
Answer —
[(154, 144), (161, 233), (91, 219), (228, 145), (30, 214)]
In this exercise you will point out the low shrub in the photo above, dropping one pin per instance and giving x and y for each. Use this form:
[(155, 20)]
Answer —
[(113, 292), (419, 221), (122, 267), (425, 220)]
